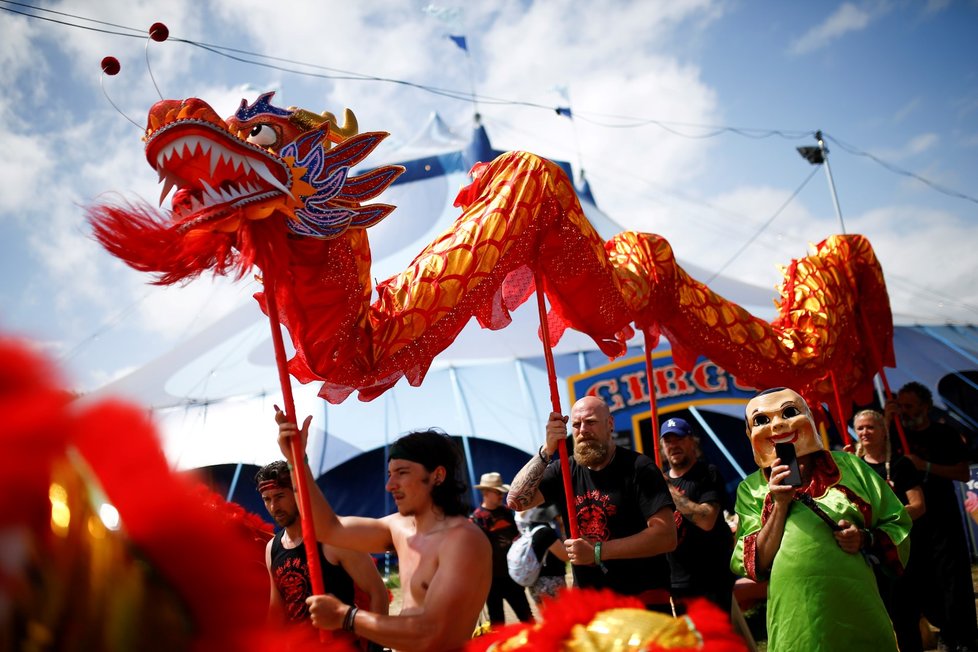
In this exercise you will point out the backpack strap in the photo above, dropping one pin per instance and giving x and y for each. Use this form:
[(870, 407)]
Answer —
[(539, 527)]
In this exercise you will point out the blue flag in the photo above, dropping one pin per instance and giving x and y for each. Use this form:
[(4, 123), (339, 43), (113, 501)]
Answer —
[(459, 41)]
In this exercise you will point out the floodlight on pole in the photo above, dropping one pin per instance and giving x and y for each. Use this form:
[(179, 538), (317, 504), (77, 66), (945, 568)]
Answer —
[(817, 156)]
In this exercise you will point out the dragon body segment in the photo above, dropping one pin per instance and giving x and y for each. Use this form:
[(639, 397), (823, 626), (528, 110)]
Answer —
[(274, 188)]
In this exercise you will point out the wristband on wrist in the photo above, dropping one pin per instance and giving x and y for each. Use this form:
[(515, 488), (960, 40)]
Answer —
[(349, 619), (597, 557), (927, 471), (543, 456)]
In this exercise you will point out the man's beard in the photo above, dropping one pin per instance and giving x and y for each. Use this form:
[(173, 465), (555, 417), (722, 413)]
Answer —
[(590, 452), (682, 462), (288, 518)]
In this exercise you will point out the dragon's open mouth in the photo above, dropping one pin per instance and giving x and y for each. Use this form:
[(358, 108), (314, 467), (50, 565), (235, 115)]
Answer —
[(214, 171)]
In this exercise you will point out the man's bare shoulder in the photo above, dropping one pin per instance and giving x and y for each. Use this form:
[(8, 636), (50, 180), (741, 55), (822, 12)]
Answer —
[(397, 523), (462, 531)]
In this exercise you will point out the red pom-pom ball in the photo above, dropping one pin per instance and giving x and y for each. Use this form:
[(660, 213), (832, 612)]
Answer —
[(110, 66), (159, 32)]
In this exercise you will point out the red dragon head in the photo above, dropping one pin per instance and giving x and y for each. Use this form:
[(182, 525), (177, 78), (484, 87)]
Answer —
[(239, 182)]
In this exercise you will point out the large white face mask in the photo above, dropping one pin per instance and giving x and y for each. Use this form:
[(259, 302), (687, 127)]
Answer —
[(780, 417)]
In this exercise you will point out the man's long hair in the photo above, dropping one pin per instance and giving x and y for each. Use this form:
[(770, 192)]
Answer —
[(433, 448)]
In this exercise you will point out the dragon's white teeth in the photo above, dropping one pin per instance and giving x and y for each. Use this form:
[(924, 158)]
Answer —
[(210, 194), (267, 176), (195, 204), (196, 145), (167, 187), (241, 164)]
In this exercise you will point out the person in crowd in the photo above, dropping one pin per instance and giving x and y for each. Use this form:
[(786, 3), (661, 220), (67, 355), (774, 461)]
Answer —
[(812, 539), (940, 454), (499, 524), (445, 561), (542, 524), (700, 564), (622, 505), (288, 569), (900, 594)]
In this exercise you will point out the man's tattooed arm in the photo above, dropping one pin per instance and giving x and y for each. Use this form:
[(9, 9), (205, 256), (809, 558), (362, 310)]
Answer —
[(523, 492), (703, 515)]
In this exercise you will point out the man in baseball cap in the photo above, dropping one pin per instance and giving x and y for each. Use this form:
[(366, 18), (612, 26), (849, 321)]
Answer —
[(699, 564)]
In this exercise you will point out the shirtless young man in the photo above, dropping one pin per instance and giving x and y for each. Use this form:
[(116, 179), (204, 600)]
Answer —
[(444, 559)]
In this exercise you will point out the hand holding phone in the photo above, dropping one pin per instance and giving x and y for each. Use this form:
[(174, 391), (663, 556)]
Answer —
[(786, 452)]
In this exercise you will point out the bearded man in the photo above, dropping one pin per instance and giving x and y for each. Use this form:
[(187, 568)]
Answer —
[(940, 542), (814, 538), (621, 501)]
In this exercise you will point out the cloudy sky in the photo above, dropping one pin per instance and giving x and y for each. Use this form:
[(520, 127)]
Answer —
[(686, 113)]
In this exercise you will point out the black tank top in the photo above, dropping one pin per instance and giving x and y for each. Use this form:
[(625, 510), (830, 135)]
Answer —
[(291, 576)]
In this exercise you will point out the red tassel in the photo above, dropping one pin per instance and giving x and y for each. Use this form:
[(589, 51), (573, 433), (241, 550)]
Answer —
[(145, 240)]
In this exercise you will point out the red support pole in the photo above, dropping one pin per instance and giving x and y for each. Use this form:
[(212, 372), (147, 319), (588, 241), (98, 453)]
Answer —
[(878, 360), (309, 540), (840, 416), (652, 406), (899, 424), (555, 404)]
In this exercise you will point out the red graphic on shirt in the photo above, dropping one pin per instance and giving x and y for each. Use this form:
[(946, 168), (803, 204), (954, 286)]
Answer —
[(680, 526), (292, 581), (593, 511)]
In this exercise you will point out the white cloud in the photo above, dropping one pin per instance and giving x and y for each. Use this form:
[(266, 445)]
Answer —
[(25, 172), (170, 61), (916, 145), (906, 239), (906, 110), (747, 210), (19, 58), (847, 18)]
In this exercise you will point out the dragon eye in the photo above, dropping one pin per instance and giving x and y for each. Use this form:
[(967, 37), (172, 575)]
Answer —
[(263, 134)]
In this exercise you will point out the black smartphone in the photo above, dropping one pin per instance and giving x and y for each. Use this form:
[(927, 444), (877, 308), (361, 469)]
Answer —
[(786, 452)]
